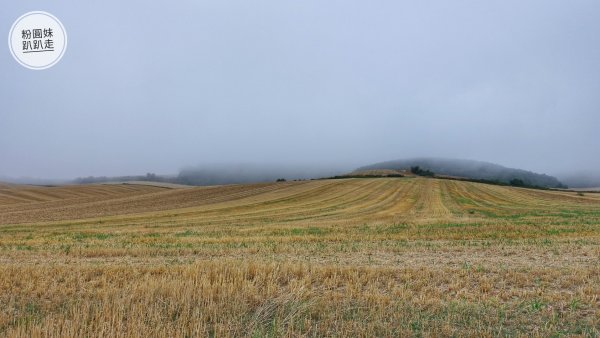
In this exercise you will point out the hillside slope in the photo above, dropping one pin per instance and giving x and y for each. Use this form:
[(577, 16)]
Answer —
[(471, 169)]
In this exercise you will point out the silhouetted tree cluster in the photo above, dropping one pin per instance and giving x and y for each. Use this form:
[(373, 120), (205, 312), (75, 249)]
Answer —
[(421, 172), (515, 182)]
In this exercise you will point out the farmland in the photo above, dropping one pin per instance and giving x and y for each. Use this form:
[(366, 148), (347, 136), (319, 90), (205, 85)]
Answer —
[(344, 257)]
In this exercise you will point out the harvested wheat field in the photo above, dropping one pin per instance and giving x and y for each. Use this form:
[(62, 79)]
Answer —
[(347, 257)]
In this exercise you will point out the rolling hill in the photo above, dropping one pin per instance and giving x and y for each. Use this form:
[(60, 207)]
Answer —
[(472, 170)]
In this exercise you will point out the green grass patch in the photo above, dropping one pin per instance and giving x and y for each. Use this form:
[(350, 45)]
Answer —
[(309, 231)]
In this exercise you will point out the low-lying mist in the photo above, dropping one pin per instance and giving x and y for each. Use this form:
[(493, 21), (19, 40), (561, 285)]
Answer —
[(248, 173)]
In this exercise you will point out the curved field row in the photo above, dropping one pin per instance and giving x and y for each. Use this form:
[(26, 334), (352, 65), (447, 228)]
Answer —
[(392, 200), (508, 200), (76, 194), (150, 200)]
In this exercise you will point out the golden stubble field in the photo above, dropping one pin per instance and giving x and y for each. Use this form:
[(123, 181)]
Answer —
[(348, 257)]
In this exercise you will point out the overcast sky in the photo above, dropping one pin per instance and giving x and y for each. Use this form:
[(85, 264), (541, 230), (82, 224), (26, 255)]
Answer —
[(156, 86)]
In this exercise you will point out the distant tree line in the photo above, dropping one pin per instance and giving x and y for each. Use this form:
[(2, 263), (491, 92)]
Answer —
[(515, 182), (151, 177)]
